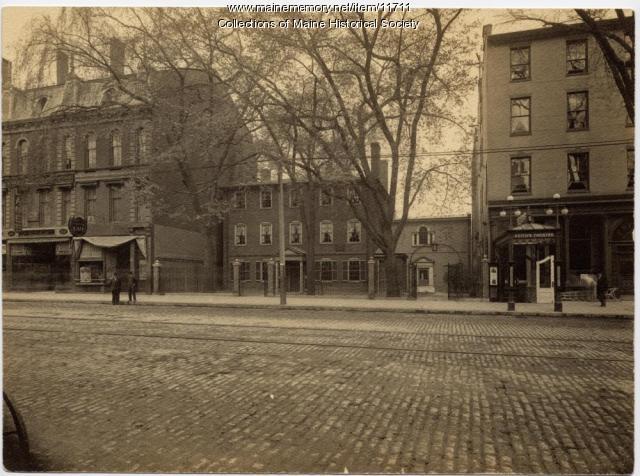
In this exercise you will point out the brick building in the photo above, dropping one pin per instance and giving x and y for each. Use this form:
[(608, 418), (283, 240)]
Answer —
[(73, 148), (554, 163)]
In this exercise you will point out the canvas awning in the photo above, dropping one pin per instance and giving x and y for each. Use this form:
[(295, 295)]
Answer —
[(114, 241), (28, 240)]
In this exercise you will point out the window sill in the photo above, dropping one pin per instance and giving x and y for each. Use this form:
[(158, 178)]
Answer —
[(266, 244), (327, 243), (521, 194), (578, 191), (582, 73), (239, 244), (520, 134), (524, 80), (583, 129)]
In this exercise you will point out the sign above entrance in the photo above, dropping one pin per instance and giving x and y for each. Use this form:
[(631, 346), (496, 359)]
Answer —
[(530, 238), (77, 226)]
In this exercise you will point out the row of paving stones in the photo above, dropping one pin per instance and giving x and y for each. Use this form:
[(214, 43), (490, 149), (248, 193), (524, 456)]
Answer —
[(127, 403)]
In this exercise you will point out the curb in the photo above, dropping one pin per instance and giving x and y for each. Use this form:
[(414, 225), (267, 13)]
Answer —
[(311, 307)]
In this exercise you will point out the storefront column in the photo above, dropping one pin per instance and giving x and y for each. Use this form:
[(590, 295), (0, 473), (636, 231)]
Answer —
[(236, 276), (606, 251), (301, 277), (132, 257), (567, 257)]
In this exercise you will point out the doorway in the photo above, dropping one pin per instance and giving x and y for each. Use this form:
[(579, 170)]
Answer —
[(293, 271)]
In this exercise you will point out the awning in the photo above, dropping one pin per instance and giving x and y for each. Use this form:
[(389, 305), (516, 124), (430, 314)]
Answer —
[(114, 241), (37, 240)]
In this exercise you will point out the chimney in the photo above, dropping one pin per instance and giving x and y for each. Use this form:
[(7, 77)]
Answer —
[(375, 159), (6, 74), (486, 30), (62, 67), (116, 56), (384, 174)]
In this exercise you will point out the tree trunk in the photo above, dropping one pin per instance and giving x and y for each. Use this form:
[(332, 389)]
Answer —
[(309, 224), (392, 275), (211, 262)]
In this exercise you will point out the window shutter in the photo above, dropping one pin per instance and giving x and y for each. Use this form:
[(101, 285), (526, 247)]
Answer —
[(345, 270)]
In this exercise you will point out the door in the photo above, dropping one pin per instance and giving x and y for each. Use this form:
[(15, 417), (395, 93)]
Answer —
[(292, 273), (424, 278), (544, 280)]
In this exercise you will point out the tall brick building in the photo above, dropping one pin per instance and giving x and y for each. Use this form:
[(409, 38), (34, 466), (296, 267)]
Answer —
[(554, 161), (76, 148)]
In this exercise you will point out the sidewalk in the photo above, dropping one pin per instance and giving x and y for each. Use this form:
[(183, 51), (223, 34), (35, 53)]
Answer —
[(618, 309)]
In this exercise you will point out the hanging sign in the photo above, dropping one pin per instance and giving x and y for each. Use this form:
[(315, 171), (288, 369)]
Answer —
[(77, 226)]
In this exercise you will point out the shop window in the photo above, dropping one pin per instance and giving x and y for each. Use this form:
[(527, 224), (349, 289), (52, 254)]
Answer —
[(580, 245), (577, 57), (631, 167), (326, 232), (265, 198), (44, 207), (265, 233), (240, 234), (239, 199), (521, 174), (116, 149), (115, 203), (354, 270), (578, 169), (422, 236), (91, 271), (90, 150), (295, 233), (520, 63), (577, 111), (90, 204), (354, 231), (326, 270), (521, 116)]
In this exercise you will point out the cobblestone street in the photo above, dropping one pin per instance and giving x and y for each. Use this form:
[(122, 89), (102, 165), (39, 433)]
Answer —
[(168, 389)]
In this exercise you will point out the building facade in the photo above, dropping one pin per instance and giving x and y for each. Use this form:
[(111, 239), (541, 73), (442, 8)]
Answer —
[(72, 149), (553, 166)]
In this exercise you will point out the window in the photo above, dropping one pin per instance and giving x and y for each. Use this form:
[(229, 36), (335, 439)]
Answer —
[(326, 198), (294, 198), (354, 230), (577, 57), (423, 236), (115, 203), (5, 216), (326, 232), (41, 103), (631, 167), (520, 63), (354, 270), (265, 198), (89, 203), (108, 97), (578, 168), (240, 234), (141, 145), (22, 156), (67, 152), (262, 273), (5, 160), (116, 149), (65, 205), (239, 199), (521, 116), (295, 233), (577, 111), (265, 233), (326, 270), (521, 174), (245, 270), (17, 210), (44, 207), (90, 150), (352, 196)]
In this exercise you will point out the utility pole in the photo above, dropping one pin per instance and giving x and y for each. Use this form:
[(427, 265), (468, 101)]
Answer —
[(283, 291)]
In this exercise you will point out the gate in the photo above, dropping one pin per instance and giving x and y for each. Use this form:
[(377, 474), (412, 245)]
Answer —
[(545, 280)]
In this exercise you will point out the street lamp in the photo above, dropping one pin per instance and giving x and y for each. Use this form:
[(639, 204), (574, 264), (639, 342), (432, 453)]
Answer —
[(511, 305), (557, 301)]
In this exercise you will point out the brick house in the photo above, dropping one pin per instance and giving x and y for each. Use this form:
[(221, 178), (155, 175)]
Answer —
[(71, 149), (554, 162)]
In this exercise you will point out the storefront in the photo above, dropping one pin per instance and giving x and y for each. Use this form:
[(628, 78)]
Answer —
[(96, 258), (37, 263)]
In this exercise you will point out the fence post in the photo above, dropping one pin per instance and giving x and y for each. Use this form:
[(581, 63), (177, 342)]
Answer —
[(157, 286), (236, 277), (371, 278)]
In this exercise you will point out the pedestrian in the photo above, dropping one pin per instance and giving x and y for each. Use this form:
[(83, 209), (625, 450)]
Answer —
[(133, 287), (115, 289), (602, 286)]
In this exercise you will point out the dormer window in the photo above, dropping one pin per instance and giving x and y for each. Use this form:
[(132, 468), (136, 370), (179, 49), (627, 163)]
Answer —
[(108, 97), (41, 103)]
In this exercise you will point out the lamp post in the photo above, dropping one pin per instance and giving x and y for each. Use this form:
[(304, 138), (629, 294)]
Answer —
[(511, 211), (557, 300)]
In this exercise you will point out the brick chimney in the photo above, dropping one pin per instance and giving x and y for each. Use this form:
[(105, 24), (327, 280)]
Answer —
[(62, 67), (116, 56), (384, 174), (7, 80)]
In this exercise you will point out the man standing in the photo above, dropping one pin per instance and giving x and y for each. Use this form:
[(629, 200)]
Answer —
[(115, 289), (601, 289), (133, 287)]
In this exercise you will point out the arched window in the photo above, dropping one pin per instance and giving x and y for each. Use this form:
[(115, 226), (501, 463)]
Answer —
[(41, 103), (67, 152), (423, 236), (116, 149), (22, 155), (90, 150)]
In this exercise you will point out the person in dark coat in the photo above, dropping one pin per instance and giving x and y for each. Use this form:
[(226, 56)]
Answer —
[(601, 289), (133, 287), (115, 289)]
